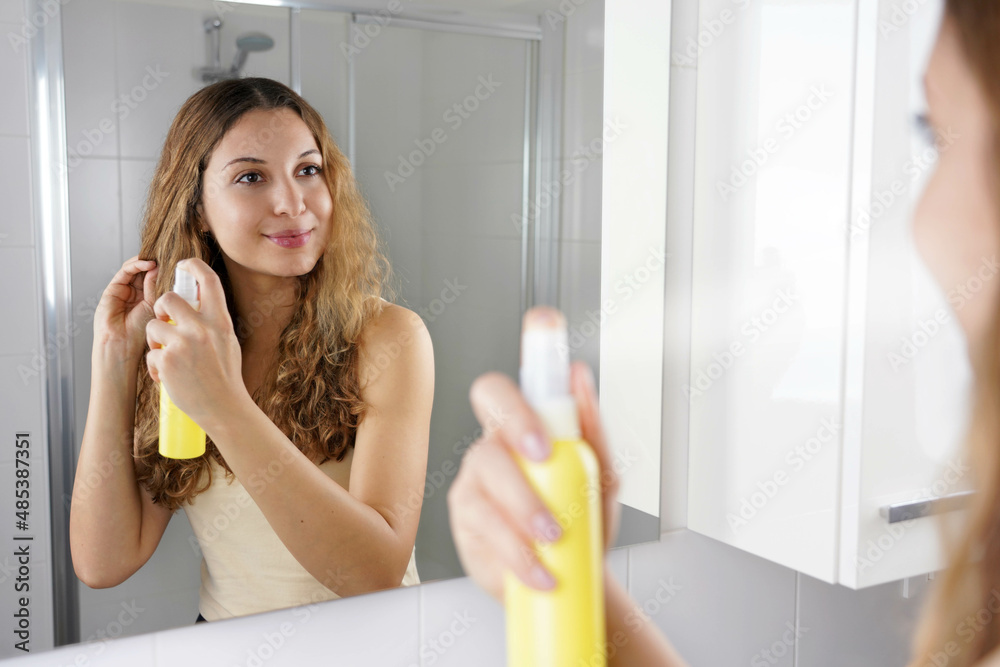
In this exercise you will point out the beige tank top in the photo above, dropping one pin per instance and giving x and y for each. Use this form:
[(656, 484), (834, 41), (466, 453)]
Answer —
[(245, 567)]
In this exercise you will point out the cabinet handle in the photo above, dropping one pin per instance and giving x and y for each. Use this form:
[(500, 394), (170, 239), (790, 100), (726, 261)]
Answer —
[(920, 508)]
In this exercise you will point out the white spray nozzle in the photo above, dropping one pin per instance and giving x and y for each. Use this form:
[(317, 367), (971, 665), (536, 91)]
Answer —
[(186, 286), (544, 372)]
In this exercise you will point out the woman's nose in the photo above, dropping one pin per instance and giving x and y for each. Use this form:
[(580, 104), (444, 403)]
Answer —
[(288, 199)]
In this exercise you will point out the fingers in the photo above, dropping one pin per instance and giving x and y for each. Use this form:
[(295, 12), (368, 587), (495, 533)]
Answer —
[(172, 306), (125, 276), (506, 486), (489, 543), (159, 333), (497, 401), (153, 358)]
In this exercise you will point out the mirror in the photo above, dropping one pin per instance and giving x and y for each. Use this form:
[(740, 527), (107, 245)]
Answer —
[(478, 149)]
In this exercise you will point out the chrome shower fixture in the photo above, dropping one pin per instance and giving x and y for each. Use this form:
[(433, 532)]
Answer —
[(245, 44)]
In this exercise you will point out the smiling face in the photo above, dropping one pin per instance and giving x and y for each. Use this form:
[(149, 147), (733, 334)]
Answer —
[(956, 221), (265, 200)]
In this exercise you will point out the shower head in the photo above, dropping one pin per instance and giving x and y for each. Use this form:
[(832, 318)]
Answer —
[(248, 43)]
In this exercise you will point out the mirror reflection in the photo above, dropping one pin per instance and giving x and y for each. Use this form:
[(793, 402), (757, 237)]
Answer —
[(454, 143)]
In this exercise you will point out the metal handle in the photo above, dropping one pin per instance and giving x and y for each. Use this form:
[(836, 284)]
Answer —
[(920, 508)]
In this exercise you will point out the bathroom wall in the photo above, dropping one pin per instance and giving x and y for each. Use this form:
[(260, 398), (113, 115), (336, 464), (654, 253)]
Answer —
[(719, 605)]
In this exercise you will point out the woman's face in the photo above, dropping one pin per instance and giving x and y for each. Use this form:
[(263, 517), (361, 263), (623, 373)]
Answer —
[(955, 224), (264, 198)]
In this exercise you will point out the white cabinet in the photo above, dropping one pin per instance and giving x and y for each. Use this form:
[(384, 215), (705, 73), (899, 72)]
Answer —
[(827, 372)]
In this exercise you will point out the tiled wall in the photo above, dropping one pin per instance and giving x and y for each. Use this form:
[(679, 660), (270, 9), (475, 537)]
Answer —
[(726, 608)]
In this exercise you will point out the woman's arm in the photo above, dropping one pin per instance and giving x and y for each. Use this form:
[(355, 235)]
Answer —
[(114, 526), (632, 638), (113, 532), (358, 541)]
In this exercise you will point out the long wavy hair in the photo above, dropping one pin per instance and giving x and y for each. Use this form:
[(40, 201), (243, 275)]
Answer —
[(312, 390), (962, 613)]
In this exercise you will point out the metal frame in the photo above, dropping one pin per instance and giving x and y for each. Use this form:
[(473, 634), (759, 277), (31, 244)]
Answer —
[(50, 193)]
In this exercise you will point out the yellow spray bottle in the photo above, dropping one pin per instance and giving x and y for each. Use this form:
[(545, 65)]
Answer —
[(564, 626), (180, 436)]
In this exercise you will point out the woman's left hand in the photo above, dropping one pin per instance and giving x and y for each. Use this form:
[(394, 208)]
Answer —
[(201, 362)]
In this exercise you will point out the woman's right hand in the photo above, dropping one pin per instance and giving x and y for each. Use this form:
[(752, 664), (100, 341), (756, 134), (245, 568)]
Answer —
[(125, 307), (491, 504)]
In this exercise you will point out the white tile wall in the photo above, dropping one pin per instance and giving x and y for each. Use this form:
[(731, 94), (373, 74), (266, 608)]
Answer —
[(15, 183), (20, 333), (14, 78), (12, 11), (89, 76)]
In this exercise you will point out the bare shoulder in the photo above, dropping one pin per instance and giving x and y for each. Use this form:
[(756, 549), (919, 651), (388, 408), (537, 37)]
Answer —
[(397, 334)]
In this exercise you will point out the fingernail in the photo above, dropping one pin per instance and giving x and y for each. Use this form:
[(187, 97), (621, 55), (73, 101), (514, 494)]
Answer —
[(542, 578), (546, 527), (536, 447)]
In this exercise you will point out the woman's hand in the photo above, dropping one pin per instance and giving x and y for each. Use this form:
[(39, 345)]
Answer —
[(126, 306), (200, 362), (492, 508)]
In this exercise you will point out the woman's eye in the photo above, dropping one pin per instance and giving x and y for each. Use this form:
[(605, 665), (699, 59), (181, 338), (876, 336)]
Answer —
[(257, 174)]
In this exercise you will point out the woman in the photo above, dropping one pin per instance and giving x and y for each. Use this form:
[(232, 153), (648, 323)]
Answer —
[(956, 225), (314, 392)]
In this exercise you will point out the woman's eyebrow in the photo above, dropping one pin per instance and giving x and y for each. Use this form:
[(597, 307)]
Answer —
[(259, 161)]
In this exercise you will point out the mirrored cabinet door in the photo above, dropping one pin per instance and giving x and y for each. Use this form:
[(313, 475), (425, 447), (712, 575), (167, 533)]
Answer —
[(802, 430)]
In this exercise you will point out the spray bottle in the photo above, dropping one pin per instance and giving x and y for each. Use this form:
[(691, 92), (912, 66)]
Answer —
[(564, 625), (180, 436)]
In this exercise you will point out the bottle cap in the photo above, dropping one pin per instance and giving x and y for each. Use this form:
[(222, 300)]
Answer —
[(544, 372), (186, 286), (544, 355)]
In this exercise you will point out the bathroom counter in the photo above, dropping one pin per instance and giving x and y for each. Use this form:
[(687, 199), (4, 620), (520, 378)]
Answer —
[(447, 622)]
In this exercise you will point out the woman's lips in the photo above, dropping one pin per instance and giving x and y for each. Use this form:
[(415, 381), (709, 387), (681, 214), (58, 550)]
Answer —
[(296, 241)]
